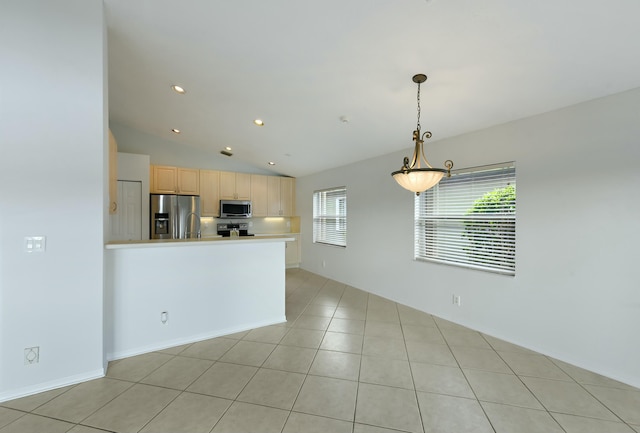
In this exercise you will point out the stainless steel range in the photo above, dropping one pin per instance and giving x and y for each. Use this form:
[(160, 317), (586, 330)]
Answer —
[(233, 229)]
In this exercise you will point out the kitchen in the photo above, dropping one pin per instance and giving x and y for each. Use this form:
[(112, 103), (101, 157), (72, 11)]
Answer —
[(209, 225)]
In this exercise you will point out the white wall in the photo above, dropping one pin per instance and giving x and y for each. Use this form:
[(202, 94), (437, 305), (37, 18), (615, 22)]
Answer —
[(52, 183), (575, 294)]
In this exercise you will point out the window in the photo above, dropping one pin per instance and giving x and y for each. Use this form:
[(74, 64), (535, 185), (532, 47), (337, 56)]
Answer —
[(330, 216), (469, 220)]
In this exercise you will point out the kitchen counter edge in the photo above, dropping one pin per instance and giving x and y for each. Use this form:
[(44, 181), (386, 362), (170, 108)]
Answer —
[(161, 243)]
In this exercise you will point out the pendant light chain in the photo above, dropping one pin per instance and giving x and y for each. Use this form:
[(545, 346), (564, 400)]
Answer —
[(418, 99)]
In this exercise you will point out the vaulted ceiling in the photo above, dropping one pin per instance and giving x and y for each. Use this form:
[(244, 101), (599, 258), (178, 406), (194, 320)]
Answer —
[(332, 79)]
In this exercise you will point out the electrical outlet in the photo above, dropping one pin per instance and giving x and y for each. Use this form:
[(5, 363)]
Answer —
[(31, 355), (324, 264), (456, 300), (164, 317)]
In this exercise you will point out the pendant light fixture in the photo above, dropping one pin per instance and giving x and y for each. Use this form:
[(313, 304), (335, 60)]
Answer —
[(418, 175)]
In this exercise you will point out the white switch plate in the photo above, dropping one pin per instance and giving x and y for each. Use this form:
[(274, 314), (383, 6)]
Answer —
[(456, 300), (35, 244)]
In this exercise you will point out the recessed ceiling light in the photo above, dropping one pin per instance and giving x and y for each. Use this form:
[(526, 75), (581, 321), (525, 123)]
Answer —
[(178, 89), (272, 163), (227, 148), (175, 131), (258, 122)]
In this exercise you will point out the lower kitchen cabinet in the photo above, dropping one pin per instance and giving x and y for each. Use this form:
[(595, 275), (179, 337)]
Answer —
[(292, 252)]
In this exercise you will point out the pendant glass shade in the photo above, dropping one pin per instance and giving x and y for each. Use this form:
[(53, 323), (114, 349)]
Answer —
[(419, 179)]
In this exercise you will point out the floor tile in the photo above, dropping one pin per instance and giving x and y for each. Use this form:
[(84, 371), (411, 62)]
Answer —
[(251, 418), (303, 338), (137, 367), (423, 334), (411, 316), (527, 364), (178, 373), (269, 334), (509, 419), (388, 407), (480, 359), (304, 423), (189, 413), (9, 415), (237, 335), (329, 397), (272, 388), (83, 399), (312, 322), (131, 410), (430, 353), (223, 380), (504, 346), (31, 402), (365, 428), (585, 377), (340, 342), (320, 310), (383, 330), (567, 397), (501, 388), (389, 315), (579, 424), (212, 349), (248, 353), (290, 358), (340, 365), (446, 324), (37, 424), (348, 326), (443, 413), (440, 379), (85, 429), (384, 347), (348, 312), (464, 338), (386, 371), (625, 403)]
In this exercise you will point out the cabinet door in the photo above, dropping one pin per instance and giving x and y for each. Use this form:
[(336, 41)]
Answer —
[(165, 180), (291, 253), (243, 186), (259, 195), (209, 196), (228, 185), (287, 196), (188, 181), (273, 196)]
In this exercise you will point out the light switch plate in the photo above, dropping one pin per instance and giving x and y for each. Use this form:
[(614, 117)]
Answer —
[(35, 244)]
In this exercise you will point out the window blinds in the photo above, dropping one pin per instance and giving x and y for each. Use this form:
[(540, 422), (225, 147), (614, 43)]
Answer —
[(469, 220), (330, 216)]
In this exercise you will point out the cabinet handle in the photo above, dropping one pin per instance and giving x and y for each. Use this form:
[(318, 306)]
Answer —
[(114, 206)]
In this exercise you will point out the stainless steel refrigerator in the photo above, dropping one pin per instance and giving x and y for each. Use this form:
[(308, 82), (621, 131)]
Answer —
[(174, 216)]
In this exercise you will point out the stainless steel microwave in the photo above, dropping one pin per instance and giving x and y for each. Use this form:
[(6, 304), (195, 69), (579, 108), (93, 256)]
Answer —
[(235, 209)]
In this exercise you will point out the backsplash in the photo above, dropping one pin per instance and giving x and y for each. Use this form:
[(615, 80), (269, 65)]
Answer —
[(266, 225)]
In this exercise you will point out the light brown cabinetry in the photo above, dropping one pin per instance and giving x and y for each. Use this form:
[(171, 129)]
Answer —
[(259, 202), (209, 194), (235, 186), (113, 174), (174, 180), (280, 195)]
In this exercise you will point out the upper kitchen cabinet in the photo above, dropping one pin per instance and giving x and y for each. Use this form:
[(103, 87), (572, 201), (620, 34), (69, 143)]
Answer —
[(280, 196), (259, 201), (113, 174), (209, 193), (235, 186), (174, 180)]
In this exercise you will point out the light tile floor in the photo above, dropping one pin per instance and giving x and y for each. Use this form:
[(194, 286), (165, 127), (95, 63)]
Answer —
[(346, 361)]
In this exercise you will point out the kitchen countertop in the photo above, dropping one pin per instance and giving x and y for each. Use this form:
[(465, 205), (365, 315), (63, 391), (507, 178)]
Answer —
[(213, 240)]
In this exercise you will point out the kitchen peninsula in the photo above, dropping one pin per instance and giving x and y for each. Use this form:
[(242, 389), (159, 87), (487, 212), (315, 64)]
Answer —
[(161, 294)]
